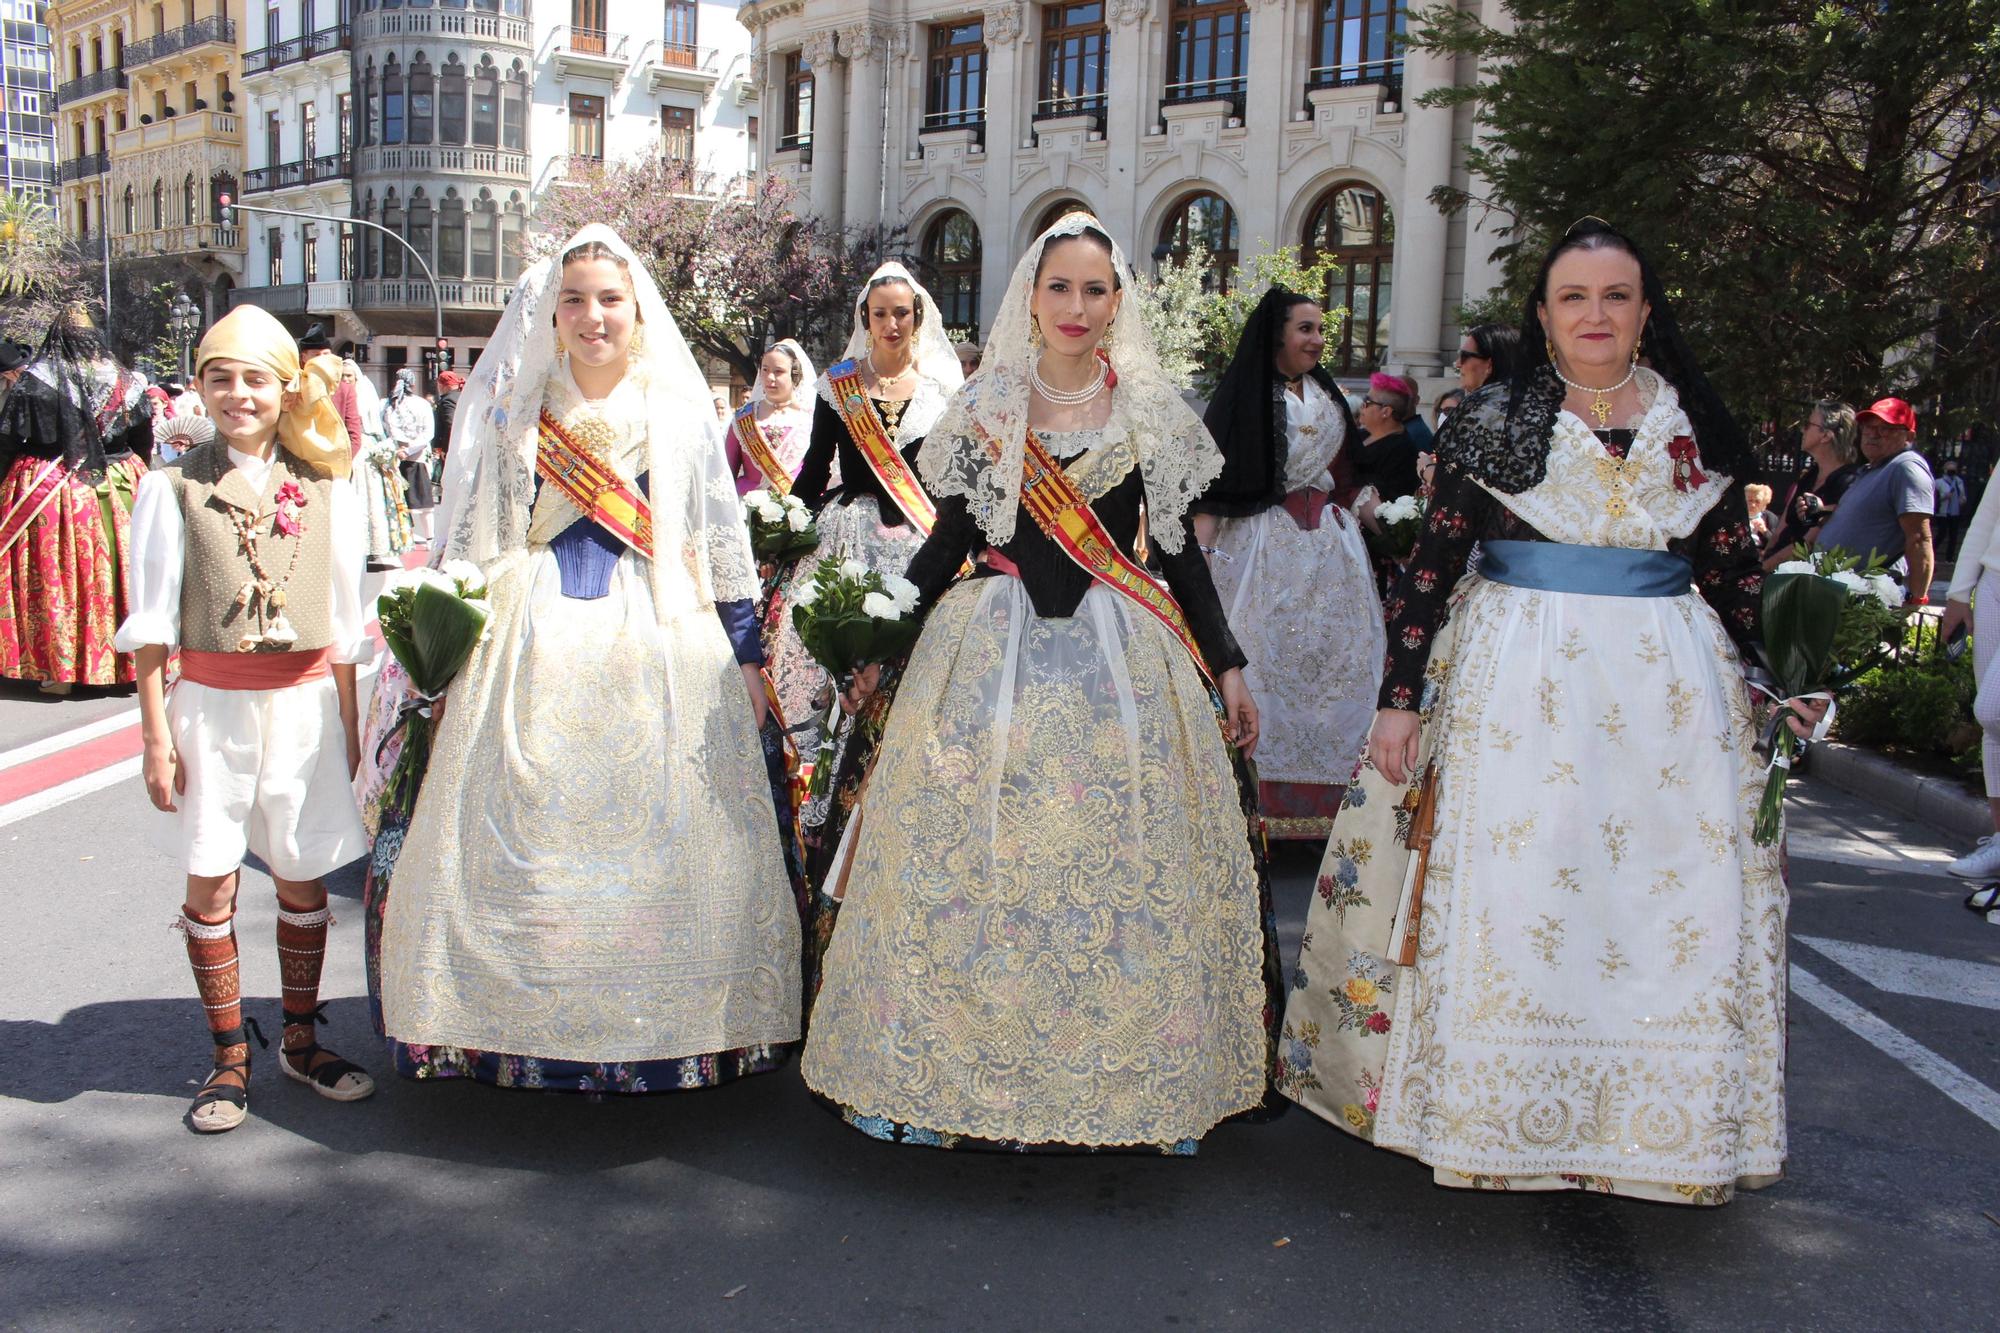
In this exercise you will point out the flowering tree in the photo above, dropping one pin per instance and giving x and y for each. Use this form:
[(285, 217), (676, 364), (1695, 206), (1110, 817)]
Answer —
[(737, 270), (1196, 329)]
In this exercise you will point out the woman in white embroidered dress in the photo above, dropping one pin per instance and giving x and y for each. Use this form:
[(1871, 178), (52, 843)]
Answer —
[(592, 894), (1050, 934), (781, 402), (907, 370), (1594, 996), (377, 477), (1291, 563)]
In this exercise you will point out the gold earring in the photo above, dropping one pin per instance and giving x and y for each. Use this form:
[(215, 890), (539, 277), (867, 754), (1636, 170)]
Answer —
[(1635, 351), (1550, 343), (1108, 330), (1035, 334), (637, 347)]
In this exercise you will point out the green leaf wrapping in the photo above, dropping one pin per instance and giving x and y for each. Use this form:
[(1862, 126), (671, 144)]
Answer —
[(442, 630), (1801, 620)]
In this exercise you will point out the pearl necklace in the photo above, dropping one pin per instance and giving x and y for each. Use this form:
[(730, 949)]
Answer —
[(1600, 401), (883, 381), (1069, 397)]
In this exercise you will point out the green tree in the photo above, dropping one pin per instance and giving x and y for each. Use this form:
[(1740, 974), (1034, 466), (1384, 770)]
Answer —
[(39, 273), (1196, 328), (1816, 181)]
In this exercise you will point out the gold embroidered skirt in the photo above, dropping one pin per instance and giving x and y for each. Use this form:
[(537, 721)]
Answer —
[(593, 869), (1051, 930), (1598, 1000)]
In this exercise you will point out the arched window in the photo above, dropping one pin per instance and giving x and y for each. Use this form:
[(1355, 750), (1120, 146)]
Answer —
[(423, 99), (1205, 219), (485, 237), (451, 102), (190, 201), (371, 104), (159, 205), (392, 218), (486, 104), (514, 109), (951, 253), (131, 211), (392, 101), (420, 223), (451, 236), (1055, 213), (1352, 223)]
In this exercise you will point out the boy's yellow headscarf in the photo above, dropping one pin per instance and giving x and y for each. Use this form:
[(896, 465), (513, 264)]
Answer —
[(309, 428)]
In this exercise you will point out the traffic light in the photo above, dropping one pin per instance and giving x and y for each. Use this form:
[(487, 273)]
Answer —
[(444, 354), (225, 211)]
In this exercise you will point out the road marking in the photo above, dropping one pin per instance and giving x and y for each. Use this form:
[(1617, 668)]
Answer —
[(48, 745), (1920, 974), (63, 793), (1866, 853), (1919, 1059)]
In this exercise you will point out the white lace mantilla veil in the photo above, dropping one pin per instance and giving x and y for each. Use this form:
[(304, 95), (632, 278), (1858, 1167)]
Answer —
[(701, 546), (808, 377), (976, 448), (936, 360)]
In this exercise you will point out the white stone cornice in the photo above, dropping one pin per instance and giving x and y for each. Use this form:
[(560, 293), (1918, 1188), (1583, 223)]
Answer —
[(757, 17), (1003, 24), (864, 41)]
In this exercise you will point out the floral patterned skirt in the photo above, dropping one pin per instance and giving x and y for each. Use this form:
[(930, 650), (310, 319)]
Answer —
[(1598, 996), (62, 582), (1052, 932)]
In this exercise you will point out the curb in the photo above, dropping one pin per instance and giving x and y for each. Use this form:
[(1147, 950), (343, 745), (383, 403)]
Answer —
[(1939, 802)]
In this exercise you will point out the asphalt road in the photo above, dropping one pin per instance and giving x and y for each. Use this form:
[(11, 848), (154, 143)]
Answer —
[(454, 1206)]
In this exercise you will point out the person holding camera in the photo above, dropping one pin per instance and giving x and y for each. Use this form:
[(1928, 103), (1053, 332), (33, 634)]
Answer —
[(1830, 439)]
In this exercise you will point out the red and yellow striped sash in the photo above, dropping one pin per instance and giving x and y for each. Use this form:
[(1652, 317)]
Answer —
[(871, 437), (1064, 513), (607, 498), (750, 438)]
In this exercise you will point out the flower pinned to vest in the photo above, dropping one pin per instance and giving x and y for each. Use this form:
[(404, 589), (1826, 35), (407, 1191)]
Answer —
[(286, 505), (1687, 471)]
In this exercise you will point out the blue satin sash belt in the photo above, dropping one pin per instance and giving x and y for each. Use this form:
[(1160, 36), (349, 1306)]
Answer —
[(1600, 571)]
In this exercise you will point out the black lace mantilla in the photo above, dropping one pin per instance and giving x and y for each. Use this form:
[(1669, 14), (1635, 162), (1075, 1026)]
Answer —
[(1500, 442)]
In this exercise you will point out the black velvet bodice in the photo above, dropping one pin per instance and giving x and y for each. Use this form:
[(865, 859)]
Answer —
[(830, 440)]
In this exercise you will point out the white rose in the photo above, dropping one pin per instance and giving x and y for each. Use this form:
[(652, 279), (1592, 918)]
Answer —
[(1886, 590), (798, 520), (853, 569), (807, 594), (757, 499), (466, 575), (880, 607), (1853, 582), (435, 579), (1795, 567), (793, 502), (900, 590)]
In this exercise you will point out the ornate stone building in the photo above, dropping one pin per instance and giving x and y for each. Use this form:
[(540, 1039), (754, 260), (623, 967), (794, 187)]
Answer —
[(1244, 124), (151, 137)]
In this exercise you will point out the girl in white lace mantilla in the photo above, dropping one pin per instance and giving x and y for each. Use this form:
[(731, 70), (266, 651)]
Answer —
[(1050, 932), (592, 893)]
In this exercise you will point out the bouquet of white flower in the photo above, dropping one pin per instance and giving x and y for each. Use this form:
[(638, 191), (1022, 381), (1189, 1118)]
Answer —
[(432, 620), (781, 527), (848, 615), (1401, 520), (1827, 620)]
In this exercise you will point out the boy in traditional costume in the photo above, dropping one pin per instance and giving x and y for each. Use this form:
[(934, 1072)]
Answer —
[(248, 557)]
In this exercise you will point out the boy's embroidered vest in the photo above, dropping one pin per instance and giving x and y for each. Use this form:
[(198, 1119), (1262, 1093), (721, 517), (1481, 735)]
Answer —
[(209, 488)]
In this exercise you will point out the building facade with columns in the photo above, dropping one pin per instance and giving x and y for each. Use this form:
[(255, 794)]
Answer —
[(1243, 124)]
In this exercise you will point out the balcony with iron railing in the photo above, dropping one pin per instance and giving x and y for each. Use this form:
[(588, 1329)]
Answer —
[(1387, 74), (942, 127), (589, 53), (310, 171), (327, 41), (1062, 108), (1200, 91), (186, 37), (673, 65), (83, 168), (90, 85)]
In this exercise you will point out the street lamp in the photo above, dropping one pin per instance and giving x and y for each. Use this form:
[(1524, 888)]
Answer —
[(184, 321)]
